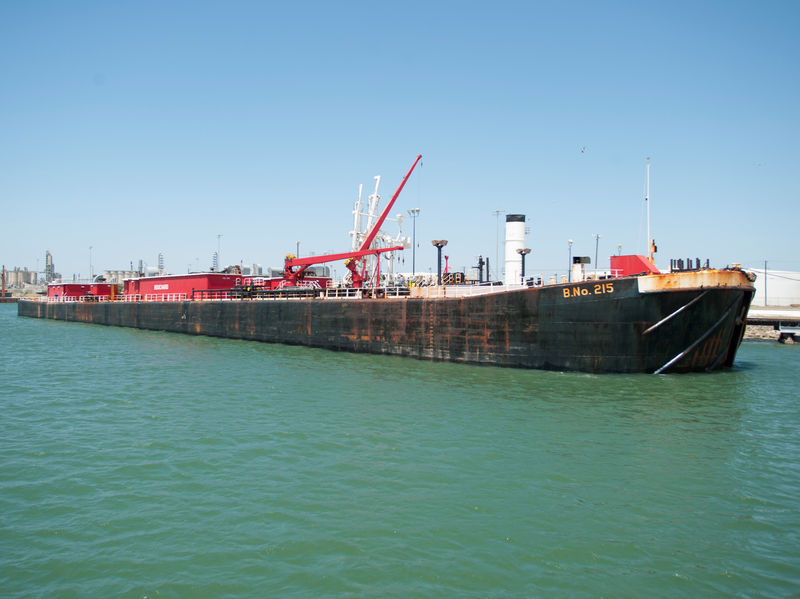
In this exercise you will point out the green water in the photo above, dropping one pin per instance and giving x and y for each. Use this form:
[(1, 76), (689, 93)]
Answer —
[(143, 464)]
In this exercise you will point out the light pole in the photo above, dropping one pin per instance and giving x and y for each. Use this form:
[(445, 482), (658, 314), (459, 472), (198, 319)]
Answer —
[(90, 264), (523, 252), (439, 244), (414, 213), (647, 203), (597, 237), (497, 214), (569, 266)]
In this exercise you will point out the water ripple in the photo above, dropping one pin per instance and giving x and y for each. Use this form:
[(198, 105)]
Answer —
[(138, 464)]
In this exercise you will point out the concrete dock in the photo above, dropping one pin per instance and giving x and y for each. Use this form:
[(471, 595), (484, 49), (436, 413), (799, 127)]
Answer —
[(777, 323)]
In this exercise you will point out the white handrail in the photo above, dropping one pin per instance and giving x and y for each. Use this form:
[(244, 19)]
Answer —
[(164, 297)]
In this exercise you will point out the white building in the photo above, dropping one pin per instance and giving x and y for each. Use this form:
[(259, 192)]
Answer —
[(776, 287)]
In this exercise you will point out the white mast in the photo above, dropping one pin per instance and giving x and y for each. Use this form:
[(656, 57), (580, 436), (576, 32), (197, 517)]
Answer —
[(647, 202), (357, 220)]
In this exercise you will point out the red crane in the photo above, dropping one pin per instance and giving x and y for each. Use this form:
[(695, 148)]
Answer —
[(353, 259)]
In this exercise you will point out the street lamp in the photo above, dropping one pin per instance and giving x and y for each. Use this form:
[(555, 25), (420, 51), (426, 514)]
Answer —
[(569, 266), (523, 252), (414, 213), (439, 244), (597, 237)]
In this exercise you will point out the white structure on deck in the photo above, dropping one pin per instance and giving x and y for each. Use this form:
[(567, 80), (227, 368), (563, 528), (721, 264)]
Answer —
[(515, 240), (364, 218)]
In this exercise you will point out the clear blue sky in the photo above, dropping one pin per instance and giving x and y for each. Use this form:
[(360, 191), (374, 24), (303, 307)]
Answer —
[(146, 127)]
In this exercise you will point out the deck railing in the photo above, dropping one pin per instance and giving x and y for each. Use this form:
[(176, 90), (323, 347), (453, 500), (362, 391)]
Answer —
[(164, 297), (260, 294), (60, 298)]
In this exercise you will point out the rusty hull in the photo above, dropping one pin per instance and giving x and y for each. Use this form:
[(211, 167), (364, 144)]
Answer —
[(657, 323)]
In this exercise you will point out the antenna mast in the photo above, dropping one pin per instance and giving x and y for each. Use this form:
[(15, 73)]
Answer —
[(647, 202)]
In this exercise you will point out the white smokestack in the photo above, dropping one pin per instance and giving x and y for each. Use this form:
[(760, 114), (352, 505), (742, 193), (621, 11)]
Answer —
[(515, 240)]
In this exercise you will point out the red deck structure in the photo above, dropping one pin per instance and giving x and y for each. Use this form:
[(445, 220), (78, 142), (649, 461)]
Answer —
[(80, 291), (623, 266)]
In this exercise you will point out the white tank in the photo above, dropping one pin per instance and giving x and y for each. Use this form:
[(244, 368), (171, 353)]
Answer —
[(515, 240)]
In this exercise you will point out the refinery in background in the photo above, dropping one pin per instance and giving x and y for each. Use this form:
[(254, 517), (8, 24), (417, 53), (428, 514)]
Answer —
[(22, 281), (773, 287)]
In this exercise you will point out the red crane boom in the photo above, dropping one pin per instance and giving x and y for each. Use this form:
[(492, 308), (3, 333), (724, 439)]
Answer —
[(303, 263), (374, 231)]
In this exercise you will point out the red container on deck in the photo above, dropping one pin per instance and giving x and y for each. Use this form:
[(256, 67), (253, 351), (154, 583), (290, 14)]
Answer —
[(104, 290), (178, 287), (172, 287), (71, 290), (81, 290)]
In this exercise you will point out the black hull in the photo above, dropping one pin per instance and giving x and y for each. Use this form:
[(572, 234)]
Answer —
[(591, 327)]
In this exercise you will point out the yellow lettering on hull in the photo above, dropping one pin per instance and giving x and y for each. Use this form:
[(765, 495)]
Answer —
[(584, 290)]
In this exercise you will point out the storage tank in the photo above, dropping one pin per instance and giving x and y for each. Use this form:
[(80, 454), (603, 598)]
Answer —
[(515, 240)]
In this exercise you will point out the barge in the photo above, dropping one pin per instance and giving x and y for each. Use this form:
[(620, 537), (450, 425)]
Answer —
[(634, 319)]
